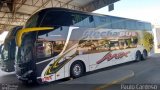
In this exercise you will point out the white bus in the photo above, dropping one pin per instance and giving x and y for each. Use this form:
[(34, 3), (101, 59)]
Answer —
[(57, 43)]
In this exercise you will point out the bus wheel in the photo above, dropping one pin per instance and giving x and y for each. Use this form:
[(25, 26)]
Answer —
[(144, 55), (138, 56), (77, 69)]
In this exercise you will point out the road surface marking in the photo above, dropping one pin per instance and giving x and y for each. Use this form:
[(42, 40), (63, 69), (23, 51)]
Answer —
[(115, 82)]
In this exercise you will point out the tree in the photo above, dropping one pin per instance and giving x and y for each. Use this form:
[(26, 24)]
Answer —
[(147, 40)]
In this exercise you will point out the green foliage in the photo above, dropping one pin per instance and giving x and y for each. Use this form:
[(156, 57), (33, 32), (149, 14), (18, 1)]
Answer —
[(147, 40), (105, 42), (129, 42)]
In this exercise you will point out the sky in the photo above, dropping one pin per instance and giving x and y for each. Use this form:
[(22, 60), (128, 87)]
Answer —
[(145, 10)]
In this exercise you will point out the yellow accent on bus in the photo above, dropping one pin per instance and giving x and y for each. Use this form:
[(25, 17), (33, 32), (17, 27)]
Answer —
[(25, 30)]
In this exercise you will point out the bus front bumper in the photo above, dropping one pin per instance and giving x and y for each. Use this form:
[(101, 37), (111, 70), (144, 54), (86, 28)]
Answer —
[(25, 76)]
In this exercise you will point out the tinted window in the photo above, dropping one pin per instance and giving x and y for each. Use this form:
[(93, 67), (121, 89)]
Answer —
[(82, 20), (78, 17), (140, 26), (148, 26), (117, 23), (50, 43), (104, 22), (130, 24), (57, 18), (33, 21)]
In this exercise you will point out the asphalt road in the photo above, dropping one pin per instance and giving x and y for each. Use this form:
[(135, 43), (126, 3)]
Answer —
[(128, 76)]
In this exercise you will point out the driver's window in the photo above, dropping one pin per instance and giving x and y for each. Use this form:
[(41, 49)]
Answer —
[(44, 49), (49, 44), (43, 46)]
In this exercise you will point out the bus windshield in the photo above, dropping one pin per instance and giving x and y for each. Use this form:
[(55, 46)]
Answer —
[(8, 52), (4, 53), (22, 54)]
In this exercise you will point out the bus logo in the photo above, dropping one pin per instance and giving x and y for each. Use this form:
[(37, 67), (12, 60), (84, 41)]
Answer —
[(104, 34), (47, 78), (109, 56)]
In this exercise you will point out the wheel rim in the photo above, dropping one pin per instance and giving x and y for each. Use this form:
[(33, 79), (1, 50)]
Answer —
[(77, 70)]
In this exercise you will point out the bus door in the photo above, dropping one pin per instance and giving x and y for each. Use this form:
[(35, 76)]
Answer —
[(49, 45)]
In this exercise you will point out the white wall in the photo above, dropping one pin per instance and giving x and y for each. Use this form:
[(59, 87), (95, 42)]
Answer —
[(156, 32), (3, 36)]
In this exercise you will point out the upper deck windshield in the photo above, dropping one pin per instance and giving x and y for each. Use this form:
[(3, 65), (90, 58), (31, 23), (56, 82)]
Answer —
[(33, 21), (49, 19), (57, 18)]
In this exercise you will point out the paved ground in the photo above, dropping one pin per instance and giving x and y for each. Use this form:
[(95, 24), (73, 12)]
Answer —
[(112, 78)]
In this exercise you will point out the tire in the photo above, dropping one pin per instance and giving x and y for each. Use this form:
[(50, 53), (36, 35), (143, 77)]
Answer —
[(144, 55), (138, 56), (77, 69)]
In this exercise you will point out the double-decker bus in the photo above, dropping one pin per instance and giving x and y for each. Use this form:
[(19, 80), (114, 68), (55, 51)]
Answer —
[(9, 50), (57, 43)]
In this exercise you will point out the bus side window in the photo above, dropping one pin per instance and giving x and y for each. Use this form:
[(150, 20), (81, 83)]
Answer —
[(114, 45), (92, 46), (91, 19), (47, 35), (82, 20)]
